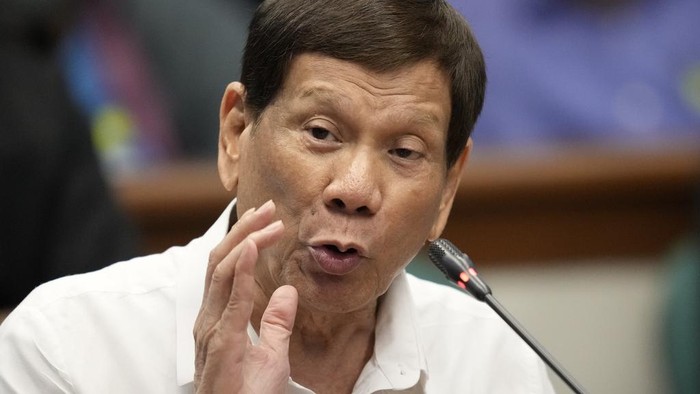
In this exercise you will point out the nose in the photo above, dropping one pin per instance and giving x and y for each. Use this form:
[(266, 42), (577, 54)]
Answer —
[(354, 187)]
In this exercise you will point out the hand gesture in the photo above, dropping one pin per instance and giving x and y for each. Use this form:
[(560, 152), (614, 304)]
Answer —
[(225, 359)]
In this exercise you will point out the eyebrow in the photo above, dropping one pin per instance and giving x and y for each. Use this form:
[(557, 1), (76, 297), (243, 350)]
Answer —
[(332, 97), (424, 118), (324, 94)]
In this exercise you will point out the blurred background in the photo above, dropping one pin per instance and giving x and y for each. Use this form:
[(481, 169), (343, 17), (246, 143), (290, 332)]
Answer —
[(580, 203)]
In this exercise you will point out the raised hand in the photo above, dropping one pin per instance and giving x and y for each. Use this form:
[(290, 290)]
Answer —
[(225, 359)]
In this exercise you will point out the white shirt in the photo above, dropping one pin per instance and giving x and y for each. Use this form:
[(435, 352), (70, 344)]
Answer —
[(128, 329)]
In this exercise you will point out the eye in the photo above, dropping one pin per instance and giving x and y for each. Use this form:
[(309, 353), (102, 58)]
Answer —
[(320, 133), (320, 130), (405, 153)]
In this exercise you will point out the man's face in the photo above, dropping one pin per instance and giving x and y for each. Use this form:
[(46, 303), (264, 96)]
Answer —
[(355, 163)]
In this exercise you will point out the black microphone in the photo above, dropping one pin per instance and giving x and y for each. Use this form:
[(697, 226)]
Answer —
[(459, 269)]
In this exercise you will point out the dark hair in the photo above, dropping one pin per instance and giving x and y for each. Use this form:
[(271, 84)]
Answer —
[(382, 35)]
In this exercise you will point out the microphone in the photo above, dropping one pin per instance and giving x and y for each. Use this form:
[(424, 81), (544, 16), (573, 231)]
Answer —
[(459, 269)]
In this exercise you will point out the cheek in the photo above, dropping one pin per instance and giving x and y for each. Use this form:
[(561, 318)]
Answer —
[(275, 171), (418, 208), (296, 183), (413, 212)]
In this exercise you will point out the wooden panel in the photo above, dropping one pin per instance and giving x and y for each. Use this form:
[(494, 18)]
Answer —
[(171, 205), (576, 203), (567, 203)]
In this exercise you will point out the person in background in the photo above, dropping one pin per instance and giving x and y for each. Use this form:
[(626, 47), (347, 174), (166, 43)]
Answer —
[(57, 213), (139, 71), (681, 324)]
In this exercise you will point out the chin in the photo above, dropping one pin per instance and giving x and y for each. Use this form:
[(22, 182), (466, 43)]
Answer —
[(334, 295)]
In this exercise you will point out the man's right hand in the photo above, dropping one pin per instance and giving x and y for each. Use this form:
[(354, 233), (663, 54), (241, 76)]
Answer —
[(225, 359)]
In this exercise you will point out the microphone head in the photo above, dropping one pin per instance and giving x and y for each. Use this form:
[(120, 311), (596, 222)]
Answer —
[(457, 267), (447, 258)]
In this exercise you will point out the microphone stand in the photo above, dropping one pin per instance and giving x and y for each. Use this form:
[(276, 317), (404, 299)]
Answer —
[(532, 342), (459, 269)]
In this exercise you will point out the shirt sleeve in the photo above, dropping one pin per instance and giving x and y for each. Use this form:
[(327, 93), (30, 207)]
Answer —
[(31, 357)]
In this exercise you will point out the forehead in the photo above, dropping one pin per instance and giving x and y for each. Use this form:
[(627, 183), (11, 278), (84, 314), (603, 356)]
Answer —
[(421, 87)]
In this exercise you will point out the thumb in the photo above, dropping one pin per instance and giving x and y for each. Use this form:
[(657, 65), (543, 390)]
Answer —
[(278, 320)]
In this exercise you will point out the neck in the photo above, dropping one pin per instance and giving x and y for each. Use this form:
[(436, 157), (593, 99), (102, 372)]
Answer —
[(324, 332)]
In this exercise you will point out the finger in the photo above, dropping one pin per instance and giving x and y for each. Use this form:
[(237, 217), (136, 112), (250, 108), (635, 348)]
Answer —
[(223, 346), (218, 253), (251, 220), (278, 320), (223, 278), (239, 306)]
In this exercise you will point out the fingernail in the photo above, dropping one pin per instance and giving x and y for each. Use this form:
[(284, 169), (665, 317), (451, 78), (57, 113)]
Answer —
[(265, 207), (247, 213), (274, 226)]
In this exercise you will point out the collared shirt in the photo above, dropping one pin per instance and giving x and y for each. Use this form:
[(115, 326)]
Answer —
[(128, 329)]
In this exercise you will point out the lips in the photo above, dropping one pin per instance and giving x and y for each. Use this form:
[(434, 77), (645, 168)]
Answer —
[(334, 260)]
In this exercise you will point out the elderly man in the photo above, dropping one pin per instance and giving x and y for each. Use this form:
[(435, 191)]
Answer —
[(344, 142)]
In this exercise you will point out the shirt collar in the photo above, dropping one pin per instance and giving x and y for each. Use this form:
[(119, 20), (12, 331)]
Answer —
[(398, 351), (398, 356)]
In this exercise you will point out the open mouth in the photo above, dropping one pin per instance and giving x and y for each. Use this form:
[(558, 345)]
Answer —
[(334, 260), (335, 249)]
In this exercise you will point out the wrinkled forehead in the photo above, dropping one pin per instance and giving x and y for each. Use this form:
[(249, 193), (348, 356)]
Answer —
[(313, 75)]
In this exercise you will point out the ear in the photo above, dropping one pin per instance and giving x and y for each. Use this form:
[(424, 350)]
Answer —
[(454, 175), (232, 123)]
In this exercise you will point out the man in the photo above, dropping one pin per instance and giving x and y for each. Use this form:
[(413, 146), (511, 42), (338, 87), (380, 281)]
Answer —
[(344, 140)]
